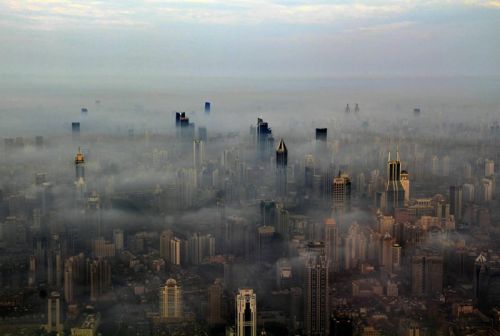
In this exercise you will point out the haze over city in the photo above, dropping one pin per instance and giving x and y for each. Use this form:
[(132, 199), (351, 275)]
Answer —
[(207, 167)]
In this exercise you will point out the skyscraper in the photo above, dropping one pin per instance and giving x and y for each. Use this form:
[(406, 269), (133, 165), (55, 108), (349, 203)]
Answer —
[(395, 193), (265, 140), (198, 154), (215, 303), (54, 314), (332, 244), (100, 277), (281, 169), (165, 238), (405, 181), (207, 107), (456, 194), (75, 130), (386, 255), (316, 291), (341, 194), (426, 275), (246, 312), (171, 300)]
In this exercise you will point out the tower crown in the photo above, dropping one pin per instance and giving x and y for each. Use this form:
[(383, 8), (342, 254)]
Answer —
[(79, 158), (281, 147)]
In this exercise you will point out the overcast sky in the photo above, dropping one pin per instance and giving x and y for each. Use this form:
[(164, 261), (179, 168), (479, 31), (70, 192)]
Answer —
[(278, 38)]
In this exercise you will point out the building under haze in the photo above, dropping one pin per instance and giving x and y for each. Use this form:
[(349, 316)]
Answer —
[(246, 312), (281, 169), (395, 193), (316, 293)]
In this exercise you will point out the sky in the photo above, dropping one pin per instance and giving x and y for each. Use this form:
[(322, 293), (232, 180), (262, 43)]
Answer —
[(248, 38)]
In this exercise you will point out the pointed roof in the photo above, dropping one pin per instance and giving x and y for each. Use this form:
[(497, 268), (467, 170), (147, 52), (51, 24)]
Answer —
[(281, 147), (481, 259)]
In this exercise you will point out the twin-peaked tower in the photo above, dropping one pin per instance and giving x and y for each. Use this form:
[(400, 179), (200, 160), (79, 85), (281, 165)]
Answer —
[(395, 192)]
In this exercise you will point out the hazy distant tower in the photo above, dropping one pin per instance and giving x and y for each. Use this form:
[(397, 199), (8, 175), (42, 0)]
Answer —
[(281, 169)]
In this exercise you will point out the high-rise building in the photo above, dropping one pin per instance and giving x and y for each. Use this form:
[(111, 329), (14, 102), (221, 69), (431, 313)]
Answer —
[(176, 250), (405, 181), (200, 247), (341, 194), (246, 312), (75, 130), (198, 154), (100, 277), (309, 171), (185, 129), (165, 238), (207, 107), (265, 140), (215, 303), (426, 275), (316, 304), (118, 239), (54, 324), (281, 169), (321, 134), (171, 301), (355, 245), (489, 168), (203, 134), (395, 192), (486, 282), (80, 184), (456, 206), (386, 254), (332, 244)]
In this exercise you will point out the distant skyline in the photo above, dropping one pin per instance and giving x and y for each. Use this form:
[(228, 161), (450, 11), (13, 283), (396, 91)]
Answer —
[(249, 38)]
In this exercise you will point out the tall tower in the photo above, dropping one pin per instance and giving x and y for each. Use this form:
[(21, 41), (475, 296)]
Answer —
[(54, 314), (171, 300), (198, 154), (215, 303), (80, 176), (405, 181), (246, 312), (341, 194), (265, 140), (281, 169), (165, 238), (332, 244), (395, 193), (456, 194), (386, 254), (316, 291)]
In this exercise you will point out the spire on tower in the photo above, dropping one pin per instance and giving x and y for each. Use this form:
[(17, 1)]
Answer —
[(281, 147)]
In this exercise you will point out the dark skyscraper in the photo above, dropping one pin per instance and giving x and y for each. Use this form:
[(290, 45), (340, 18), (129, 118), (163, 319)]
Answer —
[(265, 140), (207, 107), (456, 196), (75, 129), (316, 291), (395, 192), (281, 169)]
